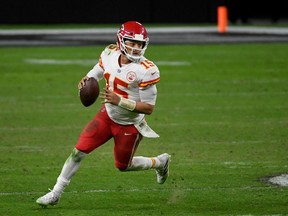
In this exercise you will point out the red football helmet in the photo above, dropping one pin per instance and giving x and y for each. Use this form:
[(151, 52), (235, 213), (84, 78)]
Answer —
[(133, 31)]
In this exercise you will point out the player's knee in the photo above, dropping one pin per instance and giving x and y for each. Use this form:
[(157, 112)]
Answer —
[(77, 155), (121, 167)]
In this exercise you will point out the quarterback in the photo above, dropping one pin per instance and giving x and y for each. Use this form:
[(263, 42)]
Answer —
[(130, 94)]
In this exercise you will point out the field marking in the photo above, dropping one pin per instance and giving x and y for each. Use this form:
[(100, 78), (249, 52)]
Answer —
[(223, 123), (224, 82), (221, 94), (281, 180), (235, 107), (94, 61), (250, 166), (62, 62), (41, 128), (35, 148), (137, 190), (172, 63)]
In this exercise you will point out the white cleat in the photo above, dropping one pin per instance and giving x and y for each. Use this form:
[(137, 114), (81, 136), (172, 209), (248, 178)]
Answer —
[(163, 171), (51, 198)]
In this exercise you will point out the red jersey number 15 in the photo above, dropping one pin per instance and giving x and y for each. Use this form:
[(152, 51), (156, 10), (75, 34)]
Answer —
[(116, 82)]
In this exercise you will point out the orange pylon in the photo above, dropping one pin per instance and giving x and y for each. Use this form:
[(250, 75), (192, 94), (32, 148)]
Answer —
[(222, 19)]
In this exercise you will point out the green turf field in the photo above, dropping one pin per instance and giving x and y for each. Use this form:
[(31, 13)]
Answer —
[(222, 113)]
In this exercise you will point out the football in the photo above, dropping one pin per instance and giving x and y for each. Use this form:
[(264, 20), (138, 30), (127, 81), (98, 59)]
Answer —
[(89, 92)]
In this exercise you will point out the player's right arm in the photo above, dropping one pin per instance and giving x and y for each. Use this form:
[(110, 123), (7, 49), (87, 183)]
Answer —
[(96, 72)]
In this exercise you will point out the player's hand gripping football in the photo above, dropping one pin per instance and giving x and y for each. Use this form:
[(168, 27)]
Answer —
[(109, 96), (82, 82)]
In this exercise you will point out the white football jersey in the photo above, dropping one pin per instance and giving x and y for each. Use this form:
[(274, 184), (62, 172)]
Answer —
[(131, 81)]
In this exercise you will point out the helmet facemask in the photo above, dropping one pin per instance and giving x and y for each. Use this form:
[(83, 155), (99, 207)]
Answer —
[(128, 50)]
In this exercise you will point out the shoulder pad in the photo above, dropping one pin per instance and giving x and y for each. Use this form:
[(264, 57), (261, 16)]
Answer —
[(148, 65), (110, 48)]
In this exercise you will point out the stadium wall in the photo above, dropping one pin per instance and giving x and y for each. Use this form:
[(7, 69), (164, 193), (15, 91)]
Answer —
[(149, 11)]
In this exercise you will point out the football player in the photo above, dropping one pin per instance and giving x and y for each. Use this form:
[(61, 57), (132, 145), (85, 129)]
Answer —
[(129, 95)]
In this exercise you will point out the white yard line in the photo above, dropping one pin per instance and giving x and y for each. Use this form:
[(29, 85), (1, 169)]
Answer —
[(87, 62), (141, 190), (61, 62), (228, 94)]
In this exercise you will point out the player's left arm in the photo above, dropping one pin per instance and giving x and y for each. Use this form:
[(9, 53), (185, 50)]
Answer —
[(145, 108), (147, 89)]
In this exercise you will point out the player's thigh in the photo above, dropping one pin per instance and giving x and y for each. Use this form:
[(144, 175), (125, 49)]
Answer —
[(95, 133), (125, 145)]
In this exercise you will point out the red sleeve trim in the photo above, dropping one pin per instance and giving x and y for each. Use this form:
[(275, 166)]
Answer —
[(101, 63), (144, 84)]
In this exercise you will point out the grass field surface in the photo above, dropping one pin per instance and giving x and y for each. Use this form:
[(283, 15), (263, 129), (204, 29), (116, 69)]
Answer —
[(221, 113)]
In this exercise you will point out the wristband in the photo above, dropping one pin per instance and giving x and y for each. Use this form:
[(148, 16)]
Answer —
[(127, 104)]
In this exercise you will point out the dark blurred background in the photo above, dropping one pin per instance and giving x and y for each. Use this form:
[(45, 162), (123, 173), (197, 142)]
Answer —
[(149, 11)]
